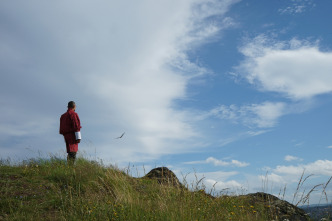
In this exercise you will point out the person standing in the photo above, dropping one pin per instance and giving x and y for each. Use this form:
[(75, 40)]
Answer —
[(70, 127)]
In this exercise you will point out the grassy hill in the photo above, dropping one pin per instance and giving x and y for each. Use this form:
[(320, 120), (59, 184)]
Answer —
[(50, 190)]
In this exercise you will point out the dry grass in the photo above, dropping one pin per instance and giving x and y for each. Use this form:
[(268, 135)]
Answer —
[(50, 190)]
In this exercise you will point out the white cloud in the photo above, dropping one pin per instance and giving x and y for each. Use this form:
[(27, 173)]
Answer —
[(216, 162), (235, 163), (298, 69), (267, 113), (262, 115), (229, 22), (124, 67), (292, 158), (291, 174)]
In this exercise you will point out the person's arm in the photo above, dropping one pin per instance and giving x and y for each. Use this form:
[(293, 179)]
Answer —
[(76, 123), (77, 128)]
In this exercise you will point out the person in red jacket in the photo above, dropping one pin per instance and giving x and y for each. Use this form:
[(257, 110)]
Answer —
[(70, 127)]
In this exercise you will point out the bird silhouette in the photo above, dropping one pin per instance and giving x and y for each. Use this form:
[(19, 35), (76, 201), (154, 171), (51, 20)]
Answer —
[(120, 136)]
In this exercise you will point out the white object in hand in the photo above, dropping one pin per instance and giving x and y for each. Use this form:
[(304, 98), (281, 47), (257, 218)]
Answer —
[(78, 135)]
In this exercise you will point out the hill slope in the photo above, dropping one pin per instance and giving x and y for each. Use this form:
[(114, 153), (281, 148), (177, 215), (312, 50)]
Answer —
[(49, 190)]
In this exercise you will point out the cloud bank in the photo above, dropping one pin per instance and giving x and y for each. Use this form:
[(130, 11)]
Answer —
[(124, 63)]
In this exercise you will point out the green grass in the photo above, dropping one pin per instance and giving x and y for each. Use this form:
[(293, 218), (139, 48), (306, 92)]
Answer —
[(50, 190)]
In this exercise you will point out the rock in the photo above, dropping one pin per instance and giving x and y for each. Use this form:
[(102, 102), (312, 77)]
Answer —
[(280, 209), (164, 176)]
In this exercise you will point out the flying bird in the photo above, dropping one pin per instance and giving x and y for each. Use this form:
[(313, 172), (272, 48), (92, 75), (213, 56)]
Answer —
[(120, 136)]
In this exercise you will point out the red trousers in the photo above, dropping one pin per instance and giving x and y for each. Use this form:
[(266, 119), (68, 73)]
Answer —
[(71, 144)]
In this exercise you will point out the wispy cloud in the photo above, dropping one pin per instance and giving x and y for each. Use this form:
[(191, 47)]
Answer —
[(287, 67), (216, 162), (262, 115), (297, 7)]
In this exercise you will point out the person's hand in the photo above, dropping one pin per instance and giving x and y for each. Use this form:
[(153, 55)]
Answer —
[(78, 141)]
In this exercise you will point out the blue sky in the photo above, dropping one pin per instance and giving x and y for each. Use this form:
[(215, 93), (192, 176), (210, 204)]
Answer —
[(237, 91)]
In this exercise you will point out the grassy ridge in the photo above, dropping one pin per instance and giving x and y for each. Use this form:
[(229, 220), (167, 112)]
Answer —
[(50, 190)]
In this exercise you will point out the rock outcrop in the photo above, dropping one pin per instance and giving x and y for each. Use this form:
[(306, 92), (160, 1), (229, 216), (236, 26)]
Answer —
[(280, 209), (164, 176)]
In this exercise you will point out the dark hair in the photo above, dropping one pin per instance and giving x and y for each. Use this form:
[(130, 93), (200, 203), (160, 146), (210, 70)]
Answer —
[(71, 104)]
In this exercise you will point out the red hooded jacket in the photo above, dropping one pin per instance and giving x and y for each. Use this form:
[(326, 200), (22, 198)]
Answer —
[(69, 124)]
